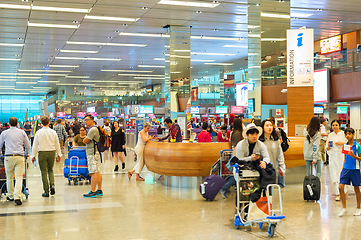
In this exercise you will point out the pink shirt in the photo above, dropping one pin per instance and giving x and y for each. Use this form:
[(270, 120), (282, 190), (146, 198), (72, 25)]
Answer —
[(204, 136)]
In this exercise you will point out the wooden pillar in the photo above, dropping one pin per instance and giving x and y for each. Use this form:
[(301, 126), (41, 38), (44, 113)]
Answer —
[(300, 107), (353, 39)]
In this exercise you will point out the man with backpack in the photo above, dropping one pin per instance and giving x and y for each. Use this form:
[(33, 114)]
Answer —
[(91, 140)]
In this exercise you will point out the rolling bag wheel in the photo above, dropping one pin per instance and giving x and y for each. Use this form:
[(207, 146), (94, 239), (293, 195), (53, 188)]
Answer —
[(271, 230), (69, 182), (75, 181), (26, 192)]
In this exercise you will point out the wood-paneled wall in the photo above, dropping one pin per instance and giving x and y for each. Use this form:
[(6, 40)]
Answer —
[(346, 87), (271, 95), (300, 107)]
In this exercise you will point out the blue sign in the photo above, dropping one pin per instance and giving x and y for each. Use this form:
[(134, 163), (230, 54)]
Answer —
[(139, 123), (68, 116)]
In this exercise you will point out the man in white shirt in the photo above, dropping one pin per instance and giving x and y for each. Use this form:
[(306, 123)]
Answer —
[(324, 136), (46, 143)]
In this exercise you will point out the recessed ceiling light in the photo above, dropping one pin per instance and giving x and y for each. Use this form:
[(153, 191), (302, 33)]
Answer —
[(274, 15), (48, 81), (139, 75), (64, 66), (144, 8), (273, 39), (52, 25), (9, 59), (57, 9), (110, 37), (212, 54), (85, 58), (220, 64), (144, 34), (339, 20), (138, 71), (235, 46), (111, 18), (116, 31), (216, 38), (189, 4), (75, 21), (198, 11), (107, 44), (151, 66), (77, 76), (12, 44), (41, 70), (319, 9), (77, 51)]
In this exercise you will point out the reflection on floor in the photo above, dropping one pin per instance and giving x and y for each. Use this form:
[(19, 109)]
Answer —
[(141, 210)]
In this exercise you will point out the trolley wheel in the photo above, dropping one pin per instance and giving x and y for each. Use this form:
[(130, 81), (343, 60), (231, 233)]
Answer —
[(271, 230), (69, 182), (260, 225)]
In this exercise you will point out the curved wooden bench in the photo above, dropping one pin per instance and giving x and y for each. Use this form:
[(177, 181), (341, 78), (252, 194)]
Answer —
[(182, 159), (294, 154)]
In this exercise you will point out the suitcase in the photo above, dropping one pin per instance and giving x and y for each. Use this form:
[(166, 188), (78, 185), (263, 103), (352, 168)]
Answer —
[(82, 167), (311, 188), (77, 152), (211, 186)]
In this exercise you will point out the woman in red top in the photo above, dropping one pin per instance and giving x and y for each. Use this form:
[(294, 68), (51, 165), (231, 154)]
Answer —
[(204, 136), (223, 135)]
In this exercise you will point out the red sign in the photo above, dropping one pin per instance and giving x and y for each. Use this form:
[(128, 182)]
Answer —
[(81, 114), (151, 115), (60, 114), (278, 112), (236, 109), (110, 114), (94, 114), (122, 115)]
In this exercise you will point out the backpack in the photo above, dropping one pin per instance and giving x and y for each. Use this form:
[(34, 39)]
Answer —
[(285, 140), (104, 140)]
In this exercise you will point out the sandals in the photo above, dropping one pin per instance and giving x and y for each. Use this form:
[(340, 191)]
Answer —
[(129, 175), (140, 179)]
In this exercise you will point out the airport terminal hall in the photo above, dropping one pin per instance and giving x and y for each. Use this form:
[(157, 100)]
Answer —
[(180, 119)]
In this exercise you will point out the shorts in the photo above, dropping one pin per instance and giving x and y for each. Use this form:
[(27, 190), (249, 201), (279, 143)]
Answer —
[(93, 164), (351, 175)]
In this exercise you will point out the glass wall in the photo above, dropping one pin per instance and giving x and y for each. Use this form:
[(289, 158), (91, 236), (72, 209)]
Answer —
[(17, 106)]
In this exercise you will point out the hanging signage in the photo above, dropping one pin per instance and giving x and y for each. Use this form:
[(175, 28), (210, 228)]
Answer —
[(242, 94), (91, 109), (110, 114), (330, 45), (60, 114), (300, 58), (237, 109), (221, 109), (194, 109), (145, 109), (81, 114)]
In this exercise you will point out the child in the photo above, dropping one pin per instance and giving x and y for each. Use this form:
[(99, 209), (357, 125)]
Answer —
[(351, 172)]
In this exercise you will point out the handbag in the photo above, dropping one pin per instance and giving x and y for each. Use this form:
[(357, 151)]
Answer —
[(259, 209)]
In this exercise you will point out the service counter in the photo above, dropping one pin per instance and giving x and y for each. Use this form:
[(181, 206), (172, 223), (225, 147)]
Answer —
[(294, 154), (182, 159)]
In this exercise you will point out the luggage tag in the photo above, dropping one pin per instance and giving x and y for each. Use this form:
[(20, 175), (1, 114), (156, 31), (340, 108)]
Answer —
[(346, 149)]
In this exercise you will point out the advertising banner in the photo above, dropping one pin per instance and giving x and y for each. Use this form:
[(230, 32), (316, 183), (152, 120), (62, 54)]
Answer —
[(139, 123), (300, 58), (242, 94)]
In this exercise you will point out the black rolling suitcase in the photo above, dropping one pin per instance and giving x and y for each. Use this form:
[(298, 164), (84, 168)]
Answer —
[(211, 186), (311, 187)]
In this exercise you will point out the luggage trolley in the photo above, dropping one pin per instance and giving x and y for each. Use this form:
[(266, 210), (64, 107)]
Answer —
[(220, 166), (274, 215), (3, 189), (76, 169)]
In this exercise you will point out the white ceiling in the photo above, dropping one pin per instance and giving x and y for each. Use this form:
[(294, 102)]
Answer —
[(227, 20)]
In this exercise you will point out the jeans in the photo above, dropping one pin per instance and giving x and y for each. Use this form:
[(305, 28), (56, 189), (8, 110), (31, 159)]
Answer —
[(281, 181), (229, 183), (318, 167)]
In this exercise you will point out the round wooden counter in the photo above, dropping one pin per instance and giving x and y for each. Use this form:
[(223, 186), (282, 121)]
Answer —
[(182, 159)]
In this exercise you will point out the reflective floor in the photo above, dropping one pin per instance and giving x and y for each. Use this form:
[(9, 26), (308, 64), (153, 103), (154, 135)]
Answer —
[(146, 210)]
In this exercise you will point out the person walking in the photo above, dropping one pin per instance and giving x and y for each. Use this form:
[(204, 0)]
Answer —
[(143, 138), (311, 150), (324, 136), (46, 146), (93, 160), (270, 138), (335, 141), (118, 145), (27, 129), (61, 132), (15, 140)]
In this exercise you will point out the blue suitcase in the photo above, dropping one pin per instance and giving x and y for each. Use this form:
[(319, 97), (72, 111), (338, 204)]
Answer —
[(77, 152), (81, 168)]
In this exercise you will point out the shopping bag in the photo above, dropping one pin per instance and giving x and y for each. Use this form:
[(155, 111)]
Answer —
[(259, 209)]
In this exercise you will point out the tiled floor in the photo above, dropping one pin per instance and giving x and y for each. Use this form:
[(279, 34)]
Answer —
[(139, 210)]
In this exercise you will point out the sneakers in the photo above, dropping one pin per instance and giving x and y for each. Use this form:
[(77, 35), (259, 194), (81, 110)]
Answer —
[(343, 211), (358, 212), (18, 202), (99, 192), (123, 165), (223, 193), (9, 199), (90, 194), (116, 168), (45, 194), (52, 190)]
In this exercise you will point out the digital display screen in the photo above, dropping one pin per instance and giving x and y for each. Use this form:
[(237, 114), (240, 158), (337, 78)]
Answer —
[(320, 86), (110, 114), (81, 114), (90, 109), (318, 110), (145, 109), (60, 114), (195, 109), (69, 117), (94, 114), (221, 109), (342, 110), (330, 45), (236, 109)]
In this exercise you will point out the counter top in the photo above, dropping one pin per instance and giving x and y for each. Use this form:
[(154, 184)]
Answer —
[(182, 159)]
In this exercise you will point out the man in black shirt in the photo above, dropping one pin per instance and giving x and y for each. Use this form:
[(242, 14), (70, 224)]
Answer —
[(76, 128), (27, 129)]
